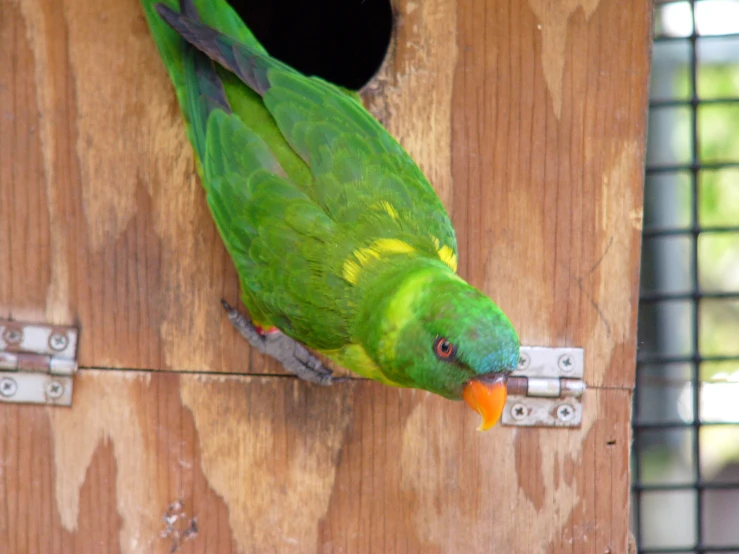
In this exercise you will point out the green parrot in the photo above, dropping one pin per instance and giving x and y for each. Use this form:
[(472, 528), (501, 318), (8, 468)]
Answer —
[(341, 244)]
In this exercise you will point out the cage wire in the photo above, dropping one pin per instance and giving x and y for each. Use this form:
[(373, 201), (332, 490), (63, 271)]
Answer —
[(685, 456)]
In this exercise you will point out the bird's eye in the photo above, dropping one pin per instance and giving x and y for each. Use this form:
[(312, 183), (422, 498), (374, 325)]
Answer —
[(444, 349)]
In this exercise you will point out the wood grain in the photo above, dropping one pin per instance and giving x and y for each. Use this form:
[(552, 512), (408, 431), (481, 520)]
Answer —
[(528, 117), (279, 466)]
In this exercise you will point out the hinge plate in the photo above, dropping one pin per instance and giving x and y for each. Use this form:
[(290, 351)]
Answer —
[(546, 388), (37, 363)]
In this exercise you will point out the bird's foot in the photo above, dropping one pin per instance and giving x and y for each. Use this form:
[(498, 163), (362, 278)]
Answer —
[(293, 356)]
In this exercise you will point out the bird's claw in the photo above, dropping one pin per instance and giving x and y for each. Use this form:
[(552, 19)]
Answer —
[(294, 357)]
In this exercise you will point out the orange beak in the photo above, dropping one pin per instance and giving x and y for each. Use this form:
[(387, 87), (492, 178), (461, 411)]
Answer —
[(487, 398)]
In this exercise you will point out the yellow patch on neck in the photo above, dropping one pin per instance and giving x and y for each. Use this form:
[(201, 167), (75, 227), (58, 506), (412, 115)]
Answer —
[(388, 208), (353, 265), (400, 310), (447, 255), (355, 358)]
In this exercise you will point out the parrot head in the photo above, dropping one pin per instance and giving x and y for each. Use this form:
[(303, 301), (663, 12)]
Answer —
[(449, 338)]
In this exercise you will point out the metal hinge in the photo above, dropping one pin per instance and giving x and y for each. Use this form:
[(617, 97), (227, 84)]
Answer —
[(546, 388), (37, 363)]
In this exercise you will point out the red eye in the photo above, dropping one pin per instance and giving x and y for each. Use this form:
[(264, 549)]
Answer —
[(444, 349)]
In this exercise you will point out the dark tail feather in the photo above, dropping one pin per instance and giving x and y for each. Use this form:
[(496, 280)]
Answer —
[(204, 88), (187, 8), (250, 65), (210, 83)]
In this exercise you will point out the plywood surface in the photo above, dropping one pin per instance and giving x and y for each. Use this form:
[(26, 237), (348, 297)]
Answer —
[(268, 465), (529, 119)]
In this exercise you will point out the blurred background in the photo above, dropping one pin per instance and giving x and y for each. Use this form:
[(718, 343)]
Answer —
[(686, 405)]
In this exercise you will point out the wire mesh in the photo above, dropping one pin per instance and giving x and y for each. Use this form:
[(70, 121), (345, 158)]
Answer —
[(685, 488)]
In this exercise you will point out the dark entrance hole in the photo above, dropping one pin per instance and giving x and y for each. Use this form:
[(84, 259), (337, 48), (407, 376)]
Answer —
[(342, 41)]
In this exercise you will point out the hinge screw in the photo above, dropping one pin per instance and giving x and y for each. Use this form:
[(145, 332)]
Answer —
[(54, 389), (8, 387), (519, 411), (565, 363), (13, 336), (523, 361), (58, 341), (565, 413)]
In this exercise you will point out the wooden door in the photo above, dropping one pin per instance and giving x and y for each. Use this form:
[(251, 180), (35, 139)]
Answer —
[(529, 118)]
